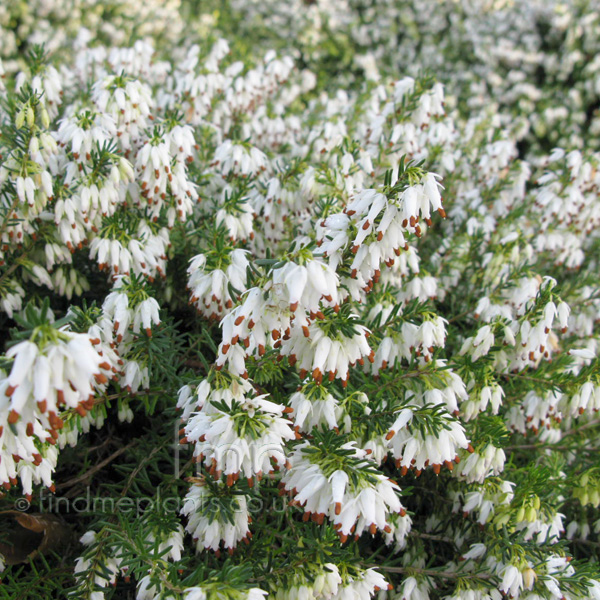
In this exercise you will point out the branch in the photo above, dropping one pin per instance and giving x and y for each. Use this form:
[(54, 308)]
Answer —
[(81, 478), (573, 431), (433, 572), (429, 536)]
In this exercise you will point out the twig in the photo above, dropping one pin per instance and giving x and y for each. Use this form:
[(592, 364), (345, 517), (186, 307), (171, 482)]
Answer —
[(460, 315), (548, 447), (81, 478), (583, 427), (570, 432), (585, 542), (429, 536), (122, 394), (143, 462), (9, 211), (194, 364), (527, 377), (433, 572)]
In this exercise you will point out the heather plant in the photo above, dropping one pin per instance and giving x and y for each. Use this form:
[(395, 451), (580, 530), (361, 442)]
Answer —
[(299, 300)]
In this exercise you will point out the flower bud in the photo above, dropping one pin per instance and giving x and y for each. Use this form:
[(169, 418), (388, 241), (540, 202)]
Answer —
[(20, 118), (30, 116), (45, 118)]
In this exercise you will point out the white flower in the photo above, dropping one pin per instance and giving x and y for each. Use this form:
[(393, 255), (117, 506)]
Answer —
[(195, 593), (352, 509), (242, 435), (480, 344), (306, 285), (63, 372), (240, 160), (146, 315), (210, 527), (313, 411), (475, 551), (584, 353), (512, 581), (413, 448), (362, 587), (210, 287), (314, 351), (414, 589), (479, 465)]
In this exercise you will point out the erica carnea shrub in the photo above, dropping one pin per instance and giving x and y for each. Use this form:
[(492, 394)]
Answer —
[(299, 300)]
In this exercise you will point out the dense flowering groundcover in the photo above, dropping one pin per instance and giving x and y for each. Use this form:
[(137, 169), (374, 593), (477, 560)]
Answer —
[(299, 300)]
